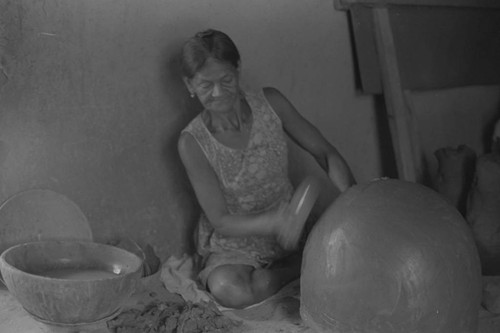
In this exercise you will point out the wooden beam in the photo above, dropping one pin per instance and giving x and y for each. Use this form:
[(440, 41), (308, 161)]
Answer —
[(346, 4), (400, 117), (339, 5)]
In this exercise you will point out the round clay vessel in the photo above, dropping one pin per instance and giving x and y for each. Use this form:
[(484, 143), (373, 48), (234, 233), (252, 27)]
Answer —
[(70, 282), (391, 256)]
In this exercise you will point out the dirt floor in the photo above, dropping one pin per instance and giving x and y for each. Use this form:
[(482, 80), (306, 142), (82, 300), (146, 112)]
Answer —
[(277, 315)]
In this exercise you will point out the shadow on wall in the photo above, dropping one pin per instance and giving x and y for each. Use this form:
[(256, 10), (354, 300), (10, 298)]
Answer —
[(386, 150), (185, 109)]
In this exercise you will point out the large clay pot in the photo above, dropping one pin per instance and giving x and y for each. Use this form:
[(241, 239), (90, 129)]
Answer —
[(391, 256)]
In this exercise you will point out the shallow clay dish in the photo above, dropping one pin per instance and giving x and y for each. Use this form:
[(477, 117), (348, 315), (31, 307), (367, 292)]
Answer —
[(36, 215)]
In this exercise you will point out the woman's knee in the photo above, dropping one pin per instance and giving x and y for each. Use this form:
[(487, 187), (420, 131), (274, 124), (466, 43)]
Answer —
[(231, 285)]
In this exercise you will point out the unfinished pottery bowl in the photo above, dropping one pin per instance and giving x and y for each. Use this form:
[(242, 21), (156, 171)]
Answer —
[(70, 282)]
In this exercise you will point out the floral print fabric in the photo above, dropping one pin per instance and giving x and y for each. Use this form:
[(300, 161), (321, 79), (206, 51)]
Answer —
[(253, 180)]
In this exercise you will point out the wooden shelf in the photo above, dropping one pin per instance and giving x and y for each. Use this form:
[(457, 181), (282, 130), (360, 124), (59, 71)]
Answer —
[(346, 4)]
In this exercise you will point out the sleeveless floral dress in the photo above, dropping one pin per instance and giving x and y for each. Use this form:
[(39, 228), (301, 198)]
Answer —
[(252, 180)]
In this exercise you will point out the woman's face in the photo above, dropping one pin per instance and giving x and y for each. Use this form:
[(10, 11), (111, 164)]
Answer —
[(215, 85)]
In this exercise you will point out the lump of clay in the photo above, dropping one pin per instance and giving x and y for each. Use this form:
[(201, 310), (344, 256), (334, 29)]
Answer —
[(483, 212), (455, 174), (491, 293), (495, 142)]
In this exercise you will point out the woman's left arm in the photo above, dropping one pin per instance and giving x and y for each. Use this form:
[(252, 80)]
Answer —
[(310, 138)]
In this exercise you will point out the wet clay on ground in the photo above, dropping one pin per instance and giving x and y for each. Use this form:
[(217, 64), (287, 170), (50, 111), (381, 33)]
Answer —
[(172, 317)]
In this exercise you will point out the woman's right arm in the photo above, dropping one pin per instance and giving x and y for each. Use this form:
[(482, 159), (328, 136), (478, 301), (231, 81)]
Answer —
[(211, 199)]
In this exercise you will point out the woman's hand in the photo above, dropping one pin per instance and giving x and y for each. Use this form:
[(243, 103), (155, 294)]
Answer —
[(339, 173), (291, 217)]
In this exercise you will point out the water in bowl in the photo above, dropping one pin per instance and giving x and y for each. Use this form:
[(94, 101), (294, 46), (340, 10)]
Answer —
[(78, 273)]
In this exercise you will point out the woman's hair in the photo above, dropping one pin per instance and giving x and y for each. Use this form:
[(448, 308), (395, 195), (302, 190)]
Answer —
[(207, 44)]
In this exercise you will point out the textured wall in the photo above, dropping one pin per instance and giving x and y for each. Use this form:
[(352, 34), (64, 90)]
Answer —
[(91, 104)]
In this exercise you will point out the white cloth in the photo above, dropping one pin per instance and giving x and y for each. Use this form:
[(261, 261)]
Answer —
[(179, 277)]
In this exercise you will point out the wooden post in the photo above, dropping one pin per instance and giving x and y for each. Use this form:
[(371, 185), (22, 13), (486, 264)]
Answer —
[(400, 117)]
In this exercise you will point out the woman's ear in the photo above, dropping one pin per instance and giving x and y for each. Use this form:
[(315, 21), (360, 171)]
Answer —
[(189, 86)]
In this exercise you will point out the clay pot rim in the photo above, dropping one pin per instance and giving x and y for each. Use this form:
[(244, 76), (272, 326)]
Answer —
[(5, 264)]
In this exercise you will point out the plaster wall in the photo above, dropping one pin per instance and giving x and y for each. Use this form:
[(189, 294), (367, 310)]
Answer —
[(91, 101)]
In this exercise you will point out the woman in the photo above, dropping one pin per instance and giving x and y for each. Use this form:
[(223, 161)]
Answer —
[(235, 155)]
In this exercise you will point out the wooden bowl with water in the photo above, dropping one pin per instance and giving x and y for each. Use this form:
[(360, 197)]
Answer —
[(70, 282)]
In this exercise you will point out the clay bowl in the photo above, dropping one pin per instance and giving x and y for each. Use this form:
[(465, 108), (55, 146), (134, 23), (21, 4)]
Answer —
[(70, 282)]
